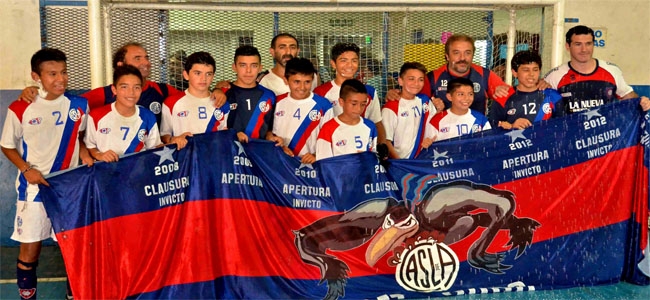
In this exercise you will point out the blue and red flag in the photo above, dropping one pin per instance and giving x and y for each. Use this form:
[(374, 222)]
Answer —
[(561, 204)]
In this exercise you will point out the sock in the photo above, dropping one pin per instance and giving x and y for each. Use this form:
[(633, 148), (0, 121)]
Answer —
[(27, 280), (68, 289)]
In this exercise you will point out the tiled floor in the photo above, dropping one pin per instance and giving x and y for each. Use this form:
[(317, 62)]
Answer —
[(51, 268)]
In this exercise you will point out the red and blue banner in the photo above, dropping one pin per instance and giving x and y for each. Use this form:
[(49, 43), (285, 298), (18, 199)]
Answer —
[(561, 204)]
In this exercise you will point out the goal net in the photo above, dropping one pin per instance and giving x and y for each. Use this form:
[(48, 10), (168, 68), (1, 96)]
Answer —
[(389, 33)]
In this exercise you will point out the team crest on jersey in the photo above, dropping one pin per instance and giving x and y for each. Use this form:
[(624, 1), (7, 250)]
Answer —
[(314, 115), (546, 108), (218, 114), (404, 114), (183, 114), (425, 108), (74, 114), (444, 129), (341, 143), (476, 128), (477, 87), (155, 107), (264, 106), (511, 111), (141, 134), (19, 221), (35, 121), (609, 92), (105, 130)]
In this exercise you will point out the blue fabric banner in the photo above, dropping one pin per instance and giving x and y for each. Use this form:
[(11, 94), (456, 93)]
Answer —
[(561, 204)]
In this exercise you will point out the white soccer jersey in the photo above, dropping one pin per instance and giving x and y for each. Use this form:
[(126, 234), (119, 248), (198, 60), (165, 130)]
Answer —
[(405, 122), (446, 124), (337, 138), (331, 91), (108, 130), (46, 134), (278, 86), (298, 122), (186, 113)]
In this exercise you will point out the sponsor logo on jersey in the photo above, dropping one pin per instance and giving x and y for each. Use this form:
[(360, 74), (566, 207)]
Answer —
[(105, 130), (279, 113), (572, 77), (476, 128), (442, 88), (141, 134), (35, 121), (567, 94), (546, 108), (444, 129), (218, 114), (435, 262), (155, 107), (341, 143), (404, 114), (314, 115), (264, 107), (74, 114), (183, 114), (233, 106), (511, 111)]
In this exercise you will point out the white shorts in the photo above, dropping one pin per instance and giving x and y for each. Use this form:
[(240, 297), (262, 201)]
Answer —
[(31, 223)]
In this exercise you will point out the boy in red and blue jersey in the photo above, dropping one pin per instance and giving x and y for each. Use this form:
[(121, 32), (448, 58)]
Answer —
[(525, 103), (251, 105), (348, 132), (39, 138), (122, 127), (193, 112), (405, 120), (300, 114)]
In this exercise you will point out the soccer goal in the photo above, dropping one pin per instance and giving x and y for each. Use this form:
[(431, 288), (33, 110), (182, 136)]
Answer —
[(388, 33)]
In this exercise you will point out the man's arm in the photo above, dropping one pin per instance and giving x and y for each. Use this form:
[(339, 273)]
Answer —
[(630, 95)]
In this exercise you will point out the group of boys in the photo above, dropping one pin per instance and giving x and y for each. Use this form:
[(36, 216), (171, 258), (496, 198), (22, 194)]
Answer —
[(52, 131)]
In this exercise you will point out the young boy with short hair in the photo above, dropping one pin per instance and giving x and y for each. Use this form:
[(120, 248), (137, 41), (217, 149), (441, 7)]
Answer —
[(459, 119), (525, 104), (348, 132), (122, 127), (345, 62), (193, 112), (300, 114), (405, 120), (251, 105), (39, 138)]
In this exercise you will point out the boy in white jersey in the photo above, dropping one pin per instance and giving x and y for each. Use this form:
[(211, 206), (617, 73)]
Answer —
[(300, 114), (405, 120), (193, 111), (348, 132), (122, 127), (459, 119), (39, 138), (345, 62)]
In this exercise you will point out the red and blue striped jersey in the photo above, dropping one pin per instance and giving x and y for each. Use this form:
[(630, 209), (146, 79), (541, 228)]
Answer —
[(251, 110), (46, 134), (108, 130)]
